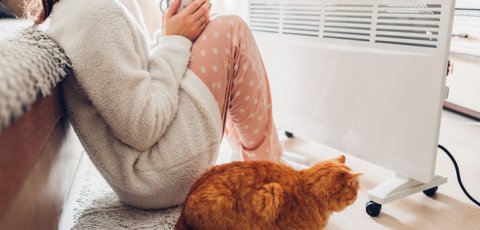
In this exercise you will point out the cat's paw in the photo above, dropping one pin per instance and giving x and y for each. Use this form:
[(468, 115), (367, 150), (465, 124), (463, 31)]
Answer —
[(268, 200)]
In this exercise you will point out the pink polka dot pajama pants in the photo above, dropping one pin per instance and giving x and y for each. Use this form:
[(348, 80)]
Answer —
[(226, 58)]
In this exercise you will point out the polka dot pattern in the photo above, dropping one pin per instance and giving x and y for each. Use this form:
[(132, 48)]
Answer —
[(226, 59)]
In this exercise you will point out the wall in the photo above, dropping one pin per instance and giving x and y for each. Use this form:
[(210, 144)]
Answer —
[(465, 82)]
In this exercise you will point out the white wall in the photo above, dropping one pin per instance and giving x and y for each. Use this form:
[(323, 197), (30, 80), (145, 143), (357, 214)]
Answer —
[(465, 82), (468, 4)]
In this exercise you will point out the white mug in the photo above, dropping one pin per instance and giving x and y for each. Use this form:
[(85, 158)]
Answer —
[(183, 4)]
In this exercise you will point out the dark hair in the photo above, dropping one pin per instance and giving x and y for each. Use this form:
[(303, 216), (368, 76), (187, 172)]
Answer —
[(40, 9)]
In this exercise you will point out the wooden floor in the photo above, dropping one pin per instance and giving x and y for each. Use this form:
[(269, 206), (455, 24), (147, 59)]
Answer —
[(449, 209)]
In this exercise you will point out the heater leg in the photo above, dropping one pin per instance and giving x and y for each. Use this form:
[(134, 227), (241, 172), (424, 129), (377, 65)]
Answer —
[(289, 134), (373, 209), (399, 187), (430, 192)]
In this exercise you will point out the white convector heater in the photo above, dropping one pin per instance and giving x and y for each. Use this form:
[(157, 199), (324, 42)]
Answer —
[(364, 77)]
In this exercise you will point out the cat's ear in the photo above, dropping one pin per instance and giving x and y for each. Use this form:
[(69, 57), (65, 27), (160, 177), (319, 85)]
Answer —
[(355, 174), (353, 181), (339, 159)]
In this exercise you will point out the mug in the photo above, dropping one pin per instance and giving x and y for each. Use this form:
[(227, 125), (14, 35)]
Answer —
[(183, 4)]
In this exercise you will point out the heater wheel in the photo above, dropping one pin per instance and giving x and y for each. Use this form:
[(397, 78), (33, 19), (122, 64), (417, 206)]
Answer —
[(430, 192), (289, 134), (373, 209)]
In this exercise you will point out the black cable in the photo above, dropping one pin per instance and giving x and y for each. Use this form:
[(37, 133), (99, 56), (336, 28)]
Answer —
[(457, 170)]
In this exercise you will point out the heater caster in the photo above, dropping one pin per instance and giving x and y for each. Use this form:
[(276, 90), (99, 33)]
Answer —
[(289, 134), (373, 209), (430, 192)]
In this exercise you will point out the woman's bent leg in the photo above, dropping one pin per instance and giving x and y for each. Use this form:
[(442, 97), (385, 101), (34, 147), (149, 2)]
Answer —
[(227, 59)]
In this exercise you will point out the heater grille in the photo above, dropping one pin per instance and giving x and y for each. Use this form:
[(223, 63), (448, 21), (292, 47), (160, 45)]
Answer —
[(265, 16), (302, 19), (348, 21), (408, 24)]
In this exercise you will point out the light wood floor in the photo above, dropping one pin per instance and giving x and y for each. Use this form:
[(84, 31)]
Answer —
[(449, 209)]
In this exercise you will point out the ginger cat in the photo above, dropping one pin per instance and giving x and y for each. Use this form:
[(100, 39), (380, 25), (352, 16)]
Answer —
[(264, 195)]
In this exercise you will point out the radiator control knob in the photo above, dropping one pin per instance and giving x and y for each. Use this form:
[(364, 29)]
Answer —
[(446, 92), (450, 68)]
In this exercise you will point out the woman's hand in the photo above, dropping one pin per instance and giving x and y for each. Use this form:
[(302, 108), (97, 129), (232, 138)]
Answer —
[(190, 22)]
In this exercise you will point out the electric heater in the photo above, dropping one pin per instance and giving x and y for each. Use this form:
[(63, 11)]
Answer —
[(364, 77)]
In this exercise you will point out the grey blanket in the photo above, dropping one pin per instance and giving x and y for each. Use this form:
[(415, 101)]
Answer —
[(31, 64)]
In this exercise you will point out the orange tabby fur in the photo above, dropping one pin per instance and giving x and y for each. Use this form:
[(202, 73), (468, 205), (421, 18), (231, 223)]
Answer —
[(264, 195)]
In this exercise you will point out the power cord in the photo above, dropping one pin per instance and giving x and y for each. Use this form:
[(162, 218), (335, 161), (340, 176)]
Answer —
[(457, 170)]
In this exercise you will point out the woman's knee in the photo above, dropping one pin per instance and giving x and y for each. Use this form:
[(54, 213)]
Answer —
[(234, 20), (225, 22)]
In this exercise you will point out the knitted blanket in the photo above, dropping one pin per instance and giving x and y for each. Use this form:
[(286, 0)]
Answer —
[(31, 64)]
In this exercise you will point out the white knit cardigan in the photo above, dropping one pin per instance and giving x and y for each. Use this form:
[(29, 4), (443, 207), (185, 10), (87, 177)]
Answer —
[(148, 123)]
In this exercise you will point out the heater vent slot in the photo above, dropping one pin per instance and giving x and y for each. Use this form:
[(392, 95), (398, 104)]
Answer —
[(400, 24), (348, 21), (265, 17), (408, 24), (301, 19)]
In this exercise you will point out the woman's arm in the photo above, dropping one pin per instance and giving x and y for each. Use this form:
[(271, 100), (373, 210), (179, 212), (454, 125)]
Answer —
[(137, 98)]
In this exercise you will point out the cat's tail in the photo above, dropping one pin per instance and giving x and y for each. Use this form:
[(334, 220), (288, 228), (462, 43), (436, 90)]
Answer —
[(182, 223)]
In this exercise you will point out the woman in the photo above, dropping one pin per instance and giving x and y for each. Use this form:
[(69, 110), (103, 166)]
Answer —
[(151, 115)]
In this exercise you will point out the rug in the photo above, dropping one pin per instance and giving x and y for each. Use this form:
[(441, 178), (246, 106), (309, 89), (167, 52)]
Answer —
[(99, 208)]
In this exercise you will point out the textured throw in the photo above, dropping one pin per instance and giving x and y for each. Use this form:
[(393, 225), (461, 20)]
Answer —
[(31, 64)]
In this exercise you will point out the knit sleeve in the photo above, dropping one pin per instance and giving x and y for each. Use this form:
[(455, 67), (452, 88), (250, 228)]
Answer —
[(135, 90)]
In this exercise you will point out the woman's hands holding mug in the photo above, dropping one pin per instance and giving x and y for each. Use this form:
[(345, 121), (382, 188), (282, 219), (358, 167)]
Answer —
[(189, 22)]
